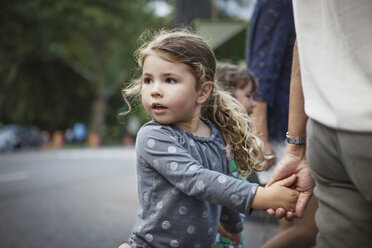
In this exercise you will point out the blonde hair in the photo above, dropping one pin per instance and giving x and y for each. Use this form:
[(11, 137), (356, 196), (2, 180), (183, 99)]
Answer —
[(221, 108)]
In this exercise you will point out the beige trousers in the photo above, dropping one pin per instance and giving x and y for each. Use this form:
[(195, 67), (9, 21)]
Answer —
[(341, 164)]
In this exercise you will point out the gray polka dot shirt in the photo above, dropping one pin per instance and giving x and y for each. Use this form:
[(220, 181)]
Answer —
[(182, 186)]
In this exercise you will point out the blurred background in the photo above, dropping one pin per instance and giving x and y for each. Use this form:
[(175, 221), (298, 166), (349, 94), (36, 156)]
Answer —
[(63, 63), (67, 165)]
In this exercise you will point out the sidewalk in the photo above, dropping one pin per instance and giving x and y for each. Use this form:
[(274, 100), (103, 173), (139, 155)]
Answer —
[(258, 228)]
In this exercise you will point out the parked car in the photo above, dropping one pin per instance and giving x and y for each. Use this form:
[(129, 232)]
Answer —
[(8, 140), (15, 136)]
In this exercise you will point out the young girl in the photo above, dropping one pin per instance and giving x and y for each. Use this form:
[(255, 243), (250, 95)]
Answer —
[(181, 163), (241, 84)]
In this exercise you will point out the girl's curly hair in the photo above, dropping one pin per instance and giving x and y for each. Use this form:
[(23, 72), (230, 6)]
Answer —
[(180, 45)]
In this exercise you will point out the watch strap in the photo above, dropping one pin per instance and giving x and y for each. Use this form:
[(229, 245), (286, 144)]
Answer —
[(295, 140)]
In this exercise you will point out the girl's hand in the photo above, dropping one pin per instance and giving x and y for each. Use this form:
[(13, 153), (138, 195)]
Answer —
[(234, 237), (278, 195), (282, 195)]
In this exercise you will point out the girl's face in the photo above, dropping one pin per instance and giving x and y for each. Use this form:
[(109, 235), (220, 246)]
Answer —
[(245, 97), (168, 91)]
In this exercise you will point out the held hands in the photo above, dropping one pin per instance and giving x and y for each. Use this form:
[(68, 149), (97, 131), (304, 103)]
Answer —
[(234, 237), (278, 195), (294, 162)]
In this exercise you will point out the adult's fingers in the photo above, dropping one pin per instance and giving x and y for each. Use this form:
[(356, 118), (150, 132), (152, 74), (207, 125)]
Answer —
[(289, 181), (302, 202)]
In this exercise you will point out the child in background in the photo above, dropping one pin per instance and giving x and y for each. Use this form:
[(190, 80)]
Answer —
[(181, 161), (241, 84)]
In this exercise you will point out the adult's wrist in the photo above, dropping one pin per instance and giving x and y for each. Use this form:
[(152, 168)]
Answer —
[(299, 151)]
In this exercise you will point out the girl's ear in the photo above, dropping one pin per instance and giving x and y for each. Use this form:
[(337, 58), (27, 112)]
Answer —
[(204, 92)]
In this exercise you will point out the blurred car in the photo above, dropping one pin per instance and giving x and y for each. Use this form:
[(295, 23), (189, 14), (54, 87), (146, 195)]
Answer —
[(15, 136), (8, 140)]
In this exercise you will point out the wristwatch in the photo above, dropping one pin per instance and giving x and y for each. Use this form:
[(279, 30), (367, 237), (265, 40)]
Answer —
[(295, 141)]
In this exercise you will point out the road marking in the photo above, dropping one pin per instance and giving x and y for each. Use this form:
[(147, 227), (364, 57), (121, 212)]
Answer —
[(13, 176)]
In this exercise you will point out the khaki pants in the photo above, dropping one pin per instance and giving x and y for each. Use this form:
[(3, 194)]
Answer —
[(341, 164)]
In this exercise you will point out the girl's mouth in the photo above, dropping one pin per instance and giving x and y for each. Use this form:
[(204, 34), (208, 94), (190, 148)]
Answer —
[(157, 106), (158, 109)]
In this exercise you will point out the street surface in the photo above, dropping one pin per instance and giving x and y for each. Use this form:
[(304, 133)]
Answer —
[(68, 198), (78, 198)]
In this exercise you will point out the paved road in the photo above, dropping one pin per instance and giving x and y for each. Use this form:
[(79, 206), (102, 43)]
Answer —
[(69, 198), (78, 198)]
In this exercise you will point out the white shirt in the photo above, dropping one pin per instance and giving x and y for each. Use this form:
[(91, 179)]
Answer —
[(335, 51)]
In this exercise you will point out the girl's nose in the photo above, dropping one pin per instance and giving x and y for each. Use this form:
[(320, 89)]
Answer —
[(156, 90)]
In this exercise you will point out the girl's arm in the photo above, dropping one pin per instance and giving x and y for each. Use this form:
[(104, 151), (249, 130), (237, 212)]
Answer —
[(158, 151)]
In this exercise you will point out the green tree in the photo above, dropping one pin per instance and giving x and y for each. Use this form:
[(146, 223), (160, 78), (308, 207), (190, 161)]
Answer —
[(49, 41)]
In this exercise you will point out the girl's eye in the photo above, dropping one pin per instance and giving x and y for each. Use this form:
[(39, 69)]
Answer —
[(147, 80), (170, 81)]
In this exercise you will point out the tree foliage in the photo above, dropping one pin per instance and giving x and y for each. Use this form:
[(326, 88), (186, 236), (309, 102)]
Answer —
[(62, 61)]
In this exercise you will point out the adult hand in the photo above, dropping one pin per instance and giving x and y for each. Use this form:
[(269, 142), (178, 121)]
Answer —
[(294, 162)]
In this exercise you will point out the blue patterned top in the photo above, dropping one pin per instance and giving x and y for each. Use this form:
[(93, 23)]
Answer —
[(182, 184), (269, 56)]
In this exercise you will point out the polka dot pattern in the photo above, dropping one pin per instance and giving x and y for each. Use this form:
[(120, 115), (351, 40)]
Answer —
[(200, 185), (205, 214), (156, 162), (150, 143), (146, 196), (182, 210), (149, 238), (175, 191), (191, 230), (159, 205), (222, 179), (173, 166), (234, 198), (172, 149), (165, 156), (174, 243), (181, 186), (165, 225)]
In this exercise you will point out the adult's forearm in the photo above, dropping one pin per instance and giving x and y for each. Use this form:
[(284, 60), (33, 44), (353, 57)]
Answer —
[(297, 118), (259, 117)]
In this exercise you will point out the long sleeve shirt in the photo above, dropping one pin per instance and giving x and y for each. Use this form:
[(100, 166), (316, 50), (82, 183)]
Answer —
[(182, 184)]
